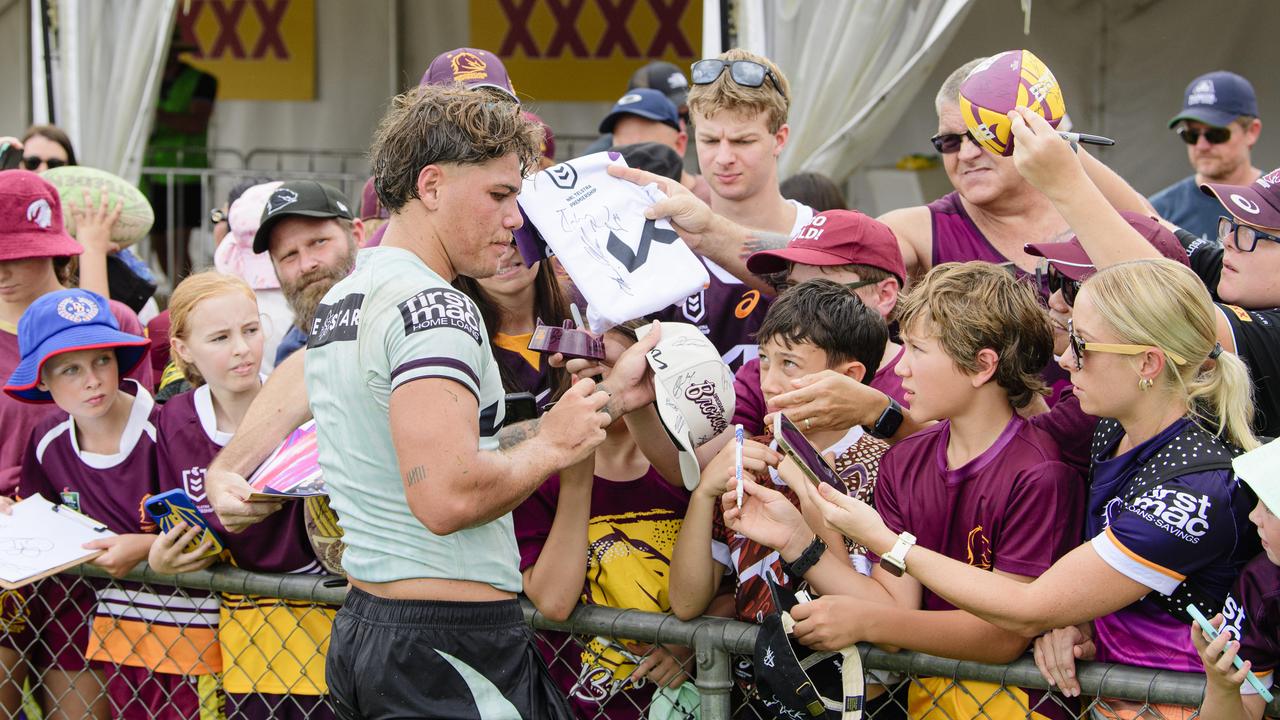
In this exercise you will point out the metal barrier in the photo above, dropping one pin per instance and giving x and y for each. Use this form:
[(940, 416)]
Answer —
[(284, 611)]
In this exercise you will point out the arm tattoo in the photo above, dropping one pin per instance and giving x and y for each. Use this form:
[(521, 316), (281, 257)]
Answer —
[(512, 435), (416, 474), (762, 240)]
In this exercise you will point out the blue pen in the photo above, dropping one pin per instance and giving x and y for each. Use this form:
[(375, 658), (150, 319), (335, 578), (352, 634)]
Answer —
[(737, 460), (1203, 622)]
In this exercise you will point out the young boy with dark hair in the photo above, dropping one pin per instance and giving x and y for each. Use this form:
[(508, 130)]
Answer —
[(982, 485)]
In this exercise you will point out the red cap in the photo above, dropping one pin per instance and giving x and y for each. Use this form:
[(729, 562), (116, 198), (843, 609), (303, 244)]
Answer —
[(1255, 204), (837, 237), (31, 218), (1071, 260)]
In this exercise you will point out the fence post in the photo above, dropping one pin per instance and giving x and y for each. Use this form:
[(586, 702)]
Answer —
[(714, 679)]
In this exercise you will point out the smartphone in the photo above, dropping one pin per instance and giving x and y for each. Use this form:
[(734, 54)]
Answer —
[(793, 442), (520, 406), (170, 508), (1212, 634), (10, 156)]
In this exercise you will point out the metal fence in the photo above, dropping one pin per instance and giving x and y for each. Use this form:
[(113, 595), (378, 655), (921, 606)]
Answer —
[(267, 660)]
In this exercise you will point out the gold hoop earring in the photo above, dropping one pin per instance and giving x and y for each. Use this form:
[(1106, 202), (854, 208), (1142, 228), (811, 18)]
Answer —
[(1144, 384)]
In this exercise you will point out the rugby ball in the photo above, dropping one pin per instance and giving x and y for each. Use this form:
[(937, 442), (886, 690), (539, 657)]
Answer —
[(998, 85), (74, 181)]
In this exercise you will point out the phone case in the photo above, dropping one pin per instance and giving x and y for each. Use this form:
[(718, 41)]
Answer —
[(792, 442), (170, 508)]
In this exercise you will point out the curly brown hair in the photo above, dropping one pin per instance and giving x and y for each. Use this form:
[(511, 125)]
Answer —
[(435, 124), (976, 305)]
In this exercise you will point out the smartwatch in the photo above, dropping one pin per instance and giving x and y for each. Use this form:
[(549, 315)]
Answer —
[(894, 562), (806, 561), (889, 422)]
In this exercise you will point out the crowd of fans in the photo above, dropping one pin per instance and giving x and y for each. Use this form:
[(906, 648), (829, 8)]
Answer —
[(1033, 441)]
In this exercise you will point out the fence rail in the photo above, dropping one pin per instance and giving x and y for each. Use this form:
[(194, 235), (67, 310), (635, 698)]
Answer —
[(717, 641)]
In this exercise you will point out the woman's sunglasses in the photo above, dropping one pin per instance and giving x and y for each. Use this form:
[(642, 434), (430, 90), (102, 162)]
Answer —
[(31, 162), (1079, 346), (1215, 135), (1070, 288), (746, 73)]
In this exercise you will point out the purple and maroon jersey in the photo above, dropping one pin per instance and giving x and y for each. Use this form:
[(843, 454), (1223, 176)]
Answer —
[(1253, 609), (19, 418), (630, 539), (1015, 508), (749, 409), (1194, 526), (188, 440)]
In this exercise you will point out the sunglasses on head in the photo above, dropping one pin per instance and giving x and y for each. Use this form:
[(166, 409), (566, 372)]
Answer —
[(1079, 346), (747, 73), (1215, 135), (31, 162), (1246, 236), (947, 143), (1070, 288)]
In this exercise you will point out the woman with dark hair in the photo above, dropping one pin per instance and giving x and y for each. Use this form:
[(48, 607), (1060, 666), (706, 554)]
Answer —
[(512, 303), (815, 190), (45, 147)]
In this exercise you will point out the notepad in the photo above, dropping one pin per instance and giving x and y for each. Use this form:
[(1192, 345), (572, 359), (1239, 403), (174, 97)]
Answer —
[(40, 539), (292, 470)]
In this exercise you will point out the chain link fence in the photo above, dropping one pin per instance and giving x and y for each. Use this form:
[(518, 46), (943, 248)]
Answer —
[(226, 643)]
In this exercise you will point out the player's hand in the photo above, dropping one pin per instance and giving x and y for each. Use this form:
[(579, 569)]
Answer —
[(168, 556), (1043, 157), (630, 380), (574, 426), (828, 400), (766, 516), (830, 622), (757, 458), (1056, 653), (664, 665), (689, 217), (123, 552), (1218, 656), (229, 494), (94, 223)]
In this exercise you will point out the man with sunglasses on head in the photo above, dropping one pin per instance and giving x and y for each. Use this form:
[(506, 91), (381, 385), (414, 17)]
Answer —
[(738, 107), (1219, 123), (993, 211)]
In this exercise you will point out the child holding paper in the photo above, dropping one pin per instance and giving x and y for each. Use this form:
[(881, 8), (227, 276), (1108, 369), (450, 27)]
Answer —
[(977, 487), (270, 652), (98, 457)]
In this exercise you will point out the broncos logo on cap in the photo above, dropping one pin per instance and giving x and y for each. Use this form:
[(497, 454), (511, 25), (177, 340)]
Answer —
[(40, 213), (467, 65)]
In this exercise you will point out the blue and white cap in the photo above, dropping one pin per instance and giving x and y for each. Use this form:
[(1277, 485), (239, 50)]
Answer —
[(1216, 99), (66, 321)]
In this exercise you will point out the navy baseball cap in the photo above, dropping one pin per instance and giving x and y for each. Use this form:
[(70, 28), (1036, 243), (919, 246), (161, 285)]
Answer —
[(66, 321), (642, 102), (1216, 99)]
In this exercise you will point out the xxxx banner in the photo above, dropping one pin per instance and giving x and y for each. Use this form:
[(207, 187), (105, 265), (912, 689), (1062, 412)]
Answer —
[(258, 49)]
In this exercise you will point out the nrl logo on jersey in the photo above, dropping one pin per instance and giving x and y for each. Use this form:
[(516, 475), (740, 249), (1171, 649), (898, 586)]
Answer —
[(193, 483)]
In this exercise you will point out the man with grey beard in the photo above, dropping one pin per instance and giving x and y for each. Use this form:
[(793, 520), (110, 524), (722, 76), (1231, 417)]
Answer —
[(313, 237)]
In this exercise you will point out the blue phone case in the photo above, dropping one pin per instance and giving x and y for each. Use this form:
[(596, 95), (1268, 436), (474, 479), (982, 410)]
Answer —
[(171, 507)]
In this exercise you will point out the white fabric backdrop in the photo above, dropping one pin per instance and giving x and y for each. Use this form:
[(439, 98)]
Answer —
[(101, 82), (854, 67)]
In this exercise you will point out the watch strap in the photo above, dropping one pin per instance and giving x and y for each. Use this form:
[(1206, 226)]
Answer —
[(806, 561)]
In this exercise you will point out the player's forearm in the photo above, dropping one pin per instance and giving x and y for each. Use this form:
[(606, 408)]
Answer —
[(554, 582), (693, 570), (729, 244), (280, 407)]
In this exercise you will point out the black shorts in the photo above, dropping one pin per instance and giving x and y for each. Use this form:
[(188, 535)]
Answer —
[(429, 659)]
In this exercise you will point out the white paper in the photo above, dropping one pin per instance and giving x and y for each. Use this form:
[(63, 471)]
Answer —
[(40, 536)]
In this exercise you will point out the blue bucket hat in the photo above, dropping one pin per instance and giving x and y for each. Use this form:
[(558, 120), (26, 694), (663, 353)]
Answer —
[(66, 321)]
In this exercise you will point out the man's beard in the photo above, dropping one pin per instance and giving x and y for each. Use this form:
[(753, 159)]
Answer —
[(305, 294)]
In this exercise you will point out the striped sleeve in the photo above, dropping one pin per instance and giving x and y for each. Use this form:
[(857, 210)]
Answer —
[(439, 334)]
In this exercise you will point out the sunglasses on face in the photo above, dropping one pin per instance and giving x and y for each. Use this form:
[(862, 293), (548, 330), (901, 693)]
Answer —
[(1079, 346), (31, 162), (947, 143), (746, 73), (1246, 236), (1215, 135), (786, 285), (1070, 288)]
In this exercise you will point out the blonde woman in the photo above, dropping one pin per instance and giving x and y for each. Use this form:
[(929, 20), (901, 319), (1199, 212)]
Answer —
[(1164, 511)]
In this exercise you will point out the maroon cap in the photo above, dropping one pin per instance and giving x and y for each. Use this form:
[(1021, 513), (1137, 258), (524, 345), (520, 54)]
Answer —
[(1071, 260), (1255, 204), (472, 67), (31, 218), (837, 237), (548, 146)]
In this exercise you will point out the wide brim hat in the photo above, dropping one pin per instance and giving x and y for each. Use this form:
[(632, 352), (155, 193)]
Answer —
[(31, 224)]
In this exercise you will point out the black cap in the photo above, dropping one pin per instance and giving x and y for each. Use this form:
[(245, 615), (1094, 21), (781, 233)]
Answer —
[(300, 198), (653, 157), (664, 77)]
